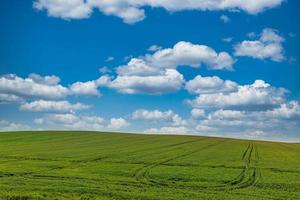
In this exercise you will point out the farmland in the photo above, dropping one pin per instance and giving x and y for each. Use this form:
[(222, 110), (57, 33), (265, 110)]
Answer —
[(93, 165)]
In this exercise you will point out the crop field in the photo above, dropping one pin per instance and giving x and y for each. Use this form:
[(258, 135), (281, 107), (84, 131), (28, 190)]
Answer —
[(93, 165)]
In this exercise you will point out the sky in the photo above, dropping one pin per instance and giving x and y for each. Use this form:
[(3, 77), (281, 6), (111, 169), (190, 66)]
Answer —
[(214, 68)]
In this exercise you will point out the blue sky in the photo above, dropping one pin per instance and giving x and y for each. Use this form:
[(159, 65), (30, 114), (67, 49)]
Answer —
[(220, 69)]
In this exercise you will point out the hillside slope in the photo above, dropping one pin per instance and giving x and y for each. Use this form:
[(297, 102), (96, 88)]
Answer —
[(93, 165)]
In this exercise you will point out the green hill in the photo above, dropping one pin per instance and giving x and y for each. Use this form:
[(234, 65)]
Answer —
[(93, 165)]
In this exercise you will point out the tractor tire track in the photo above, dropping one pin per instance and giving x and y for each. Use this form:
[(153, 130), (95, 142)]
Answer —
[(248, 177), (142, 175), (250, 174)]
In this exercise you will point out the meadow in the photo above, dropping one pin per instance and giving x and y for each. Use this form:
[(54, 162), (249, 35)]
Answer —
[(93, 165)]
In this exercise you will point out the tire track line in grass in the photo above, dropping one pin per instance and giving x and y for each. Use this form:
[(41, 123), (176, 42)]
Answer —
[(250, 174), (247, 161), (70, 164), (248, 177), (142, 174), (246, 157)]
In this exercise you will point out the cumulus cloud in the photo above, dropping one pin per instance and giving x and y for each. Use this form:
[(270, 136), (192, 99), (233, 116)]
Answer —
[(157, 115), (181, 54), (80, 122), (286, 111), (17, 89), (10, 98), (46, 80), (34, 86), (278, 122), (52, 106), (152, 114), (138, 67), (132, 11), (89, 87), (227, 114), (70, 9), (157, 73), (152, 74), (85, 88), (258, 95), (12, 126), (117, 123), (206, 85), (170, 81), (269, 46), (168, 130), (188, 54), (71, 121), (197, 113)]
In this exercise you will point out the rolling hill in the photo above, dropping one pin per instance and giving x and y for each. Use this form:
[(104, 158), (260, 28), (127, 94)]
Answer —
[(94, 165)]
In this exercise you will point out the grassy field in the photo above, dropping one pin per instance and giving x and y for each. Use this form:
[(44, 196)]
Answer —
[(91, 165)]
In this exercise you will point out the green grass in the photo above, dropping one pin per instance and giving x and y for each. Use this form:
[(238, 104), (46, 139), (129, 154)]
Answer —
[(92, 165)]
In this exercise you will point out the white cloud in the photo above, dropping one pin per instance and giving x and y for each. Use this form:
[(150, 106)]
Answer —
[(157, 115), (38, 121), (34, 86), (62, 118), (132, 11), (204, 129), (66, 9), (17, 89), (181, 54), (271, 35), (213, 84), (188, 54), (117, 123), (85, 88), (12, 126), (46, 80), (87, 123), (156, 73), (52, 106), (138, 67), (152, 114), (178, 121), (225, 18), (227, 114), (170, 81), (105, 70), (259, 95), (150, 74), (281, 122), (286, 111), (198, 113), (154, 48), (168, 130), (71, 121), (269, 46), (10, 98), (89, 87)]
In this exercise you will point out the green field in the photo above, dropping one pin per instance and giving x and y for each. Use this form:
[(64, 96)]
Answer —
[(92, 165)]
